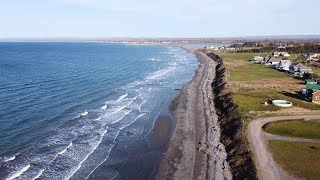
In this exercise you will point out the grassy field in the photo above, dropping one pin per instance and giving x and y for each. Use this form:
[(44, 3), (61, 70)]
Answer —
[(254, 84), (299, 159), (302, 129), (254, 100), (255, 72), (241, 56)]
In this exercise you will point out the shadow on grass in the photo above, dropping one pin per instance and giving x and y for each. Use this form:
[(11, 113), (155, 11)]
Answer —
[(295, 95)]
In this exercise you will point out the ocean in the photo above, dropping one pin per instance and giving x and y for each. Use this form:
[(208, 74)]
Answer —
[(87, 110)]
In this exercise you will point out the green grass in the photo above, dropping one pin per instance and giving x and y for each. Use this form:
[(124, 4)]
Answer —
[(255, 72), (241, 56), (254, 100), (299, 159), (302, 129)]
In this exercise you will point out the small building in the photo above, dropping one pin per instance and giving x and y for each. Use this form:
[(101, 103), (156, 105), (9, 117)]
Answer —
[(312, 56), (284, 53), (284, 65), (311, 81), (299, 70), (313, 93), (303, 70), (316, 97), (272, 61), (257, 59), (294, 67)]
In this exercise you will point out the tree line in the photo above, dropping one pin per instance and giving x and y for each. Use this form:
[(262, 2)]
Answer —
[(301, 49)]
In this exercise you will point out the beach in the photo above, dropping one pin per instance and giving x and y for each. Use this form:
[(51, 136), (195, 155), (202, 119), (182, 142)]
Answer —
[(195, 150)]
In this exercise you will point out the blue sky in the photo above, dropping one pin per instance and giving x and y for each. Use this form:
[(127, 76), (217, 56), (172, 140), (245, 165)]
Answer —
[(157, 18)]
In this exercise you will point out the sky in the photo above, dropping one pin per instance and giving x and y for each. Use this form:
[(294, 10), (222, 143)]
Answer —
[(157, 18)]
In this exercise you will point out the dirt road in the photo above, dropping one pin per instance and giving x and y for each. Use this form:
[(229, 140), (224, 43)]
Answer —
[(268, 169)]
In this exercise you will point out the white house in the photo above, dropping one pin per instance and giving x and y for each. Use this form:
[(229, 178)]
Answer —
[(284, 65), (272, 61), (298, 69), (286, 54), (257, 59), (312, 56), (294, 67)]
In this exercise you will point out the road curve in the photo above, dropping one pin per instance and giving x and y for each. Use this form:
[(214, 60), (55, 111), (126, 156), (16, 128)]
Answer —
[(267, 168), (293, 139)]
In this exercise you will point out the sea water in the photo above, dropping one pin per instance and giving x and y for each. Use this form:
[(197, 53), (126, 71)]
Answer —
[(85, 110)]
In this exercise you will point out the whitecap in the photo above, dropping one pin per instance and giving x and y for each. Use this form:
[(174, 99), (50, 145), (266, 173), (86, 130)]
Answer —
[(75, 169), (18, 173), (11, 158), (121, 97), (118, 110), (38, 175), (104, 107), (82, 114), (64, 150), (97, 119)]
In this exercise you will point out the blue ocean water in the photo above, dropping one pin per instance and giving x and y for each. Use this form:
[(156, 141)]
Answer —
[(85, 110)]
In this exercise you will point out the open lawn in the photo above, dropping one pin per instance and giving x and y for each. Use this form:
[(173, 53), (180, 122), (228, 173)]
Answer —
[(254, 84), (299, 159), (241, 56), (255, 72), (254, 100), (303, 129)]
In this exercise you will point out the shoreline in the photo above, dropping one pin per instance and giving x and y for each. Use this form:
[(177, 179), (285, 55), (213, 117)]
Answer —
[(194, 149)]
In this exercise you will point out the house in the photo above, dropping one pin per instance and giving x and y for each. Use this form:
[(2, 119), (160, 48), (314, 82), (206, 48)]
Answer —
[(298, 69), (312, 56), (313, 93), (257, 59), (311, 81), (286, 54), (284, 65), (272, 61), (294, 67), (275, 53), (303, 70), (265, 59)]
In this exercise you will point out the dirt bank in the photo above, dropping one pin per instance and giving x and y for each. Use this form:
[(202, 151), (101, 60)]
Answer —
[(232, 136)]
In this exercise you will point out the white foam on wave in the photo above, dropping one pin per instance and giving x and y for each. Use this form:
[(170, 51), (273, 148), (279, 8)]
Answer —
[(104, 107), (118, 110), (141, 105), (140, 115), (114, 140), (121, 117), (75, 169), (121, 97), (97, 119), (65, 149), (82, 114), (11, 158), (38, 175), (18, 173), (160, 73)]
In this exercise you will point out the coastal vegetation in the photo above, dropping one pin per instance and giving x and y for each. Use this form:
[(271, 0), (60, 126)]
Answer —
[(292, 48), (254, 85), (301, 129), (298, 158), (246, 89)]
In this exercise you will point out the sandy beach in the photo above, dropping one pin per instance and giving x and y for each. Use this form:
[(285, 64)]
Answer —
[(195, 150)]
